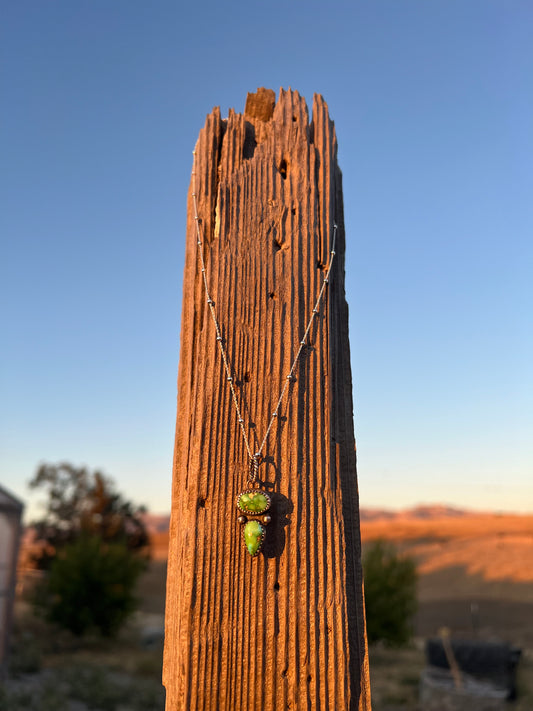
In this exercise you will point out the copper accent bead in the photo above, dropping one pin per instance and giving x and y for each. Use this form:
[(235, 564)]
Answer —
[(242, 519), (267, 519)]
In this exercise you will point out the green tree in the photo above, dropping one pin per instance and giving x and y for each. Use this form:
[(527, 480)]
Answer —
[(390, 594), (90, 585), (83, 503)]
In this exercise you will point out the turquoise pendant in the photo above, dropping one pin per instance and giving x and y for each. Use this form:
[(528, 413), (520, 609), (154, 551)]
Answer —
[(254, 502)]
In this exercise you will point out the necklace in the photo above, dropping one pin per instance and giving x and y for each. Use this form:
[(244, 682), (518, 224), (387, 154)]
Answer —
[(253, 504)]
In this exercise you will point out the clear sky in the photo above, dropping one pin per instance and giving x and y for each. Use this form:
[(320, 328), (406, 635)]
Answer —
[(102, 102)]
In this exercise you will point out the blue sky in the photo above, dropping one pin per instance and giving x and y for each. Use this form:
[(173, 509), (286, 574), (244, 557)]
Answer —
[(433, 105)]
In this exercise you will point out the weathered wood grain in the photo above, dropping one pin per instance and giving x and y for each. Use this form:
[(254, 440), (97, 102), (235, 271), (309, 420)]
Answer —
[(284, 630)]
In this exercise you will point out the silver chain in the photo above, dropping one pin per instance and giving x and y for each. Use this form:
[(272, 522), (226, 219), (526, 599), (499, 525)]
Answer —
[(256, 456)]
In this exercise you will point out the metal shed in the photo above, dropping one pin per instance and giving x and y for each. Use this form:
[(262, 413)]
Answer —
[(10, 530)]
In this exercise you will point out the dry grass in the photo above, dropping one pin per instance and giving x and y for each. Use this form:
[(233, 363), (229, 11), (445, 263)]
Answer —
[(51, 670), (394, 677)]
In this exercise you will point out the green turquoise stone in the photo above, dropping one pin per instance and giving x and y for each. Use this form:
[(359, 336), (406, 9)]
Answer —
[(254, 533), (253, 502)]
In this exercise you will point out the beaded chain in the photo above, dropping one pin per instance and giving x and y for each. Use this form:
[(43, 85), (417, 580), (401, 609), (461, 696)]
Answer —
[(256, 456)]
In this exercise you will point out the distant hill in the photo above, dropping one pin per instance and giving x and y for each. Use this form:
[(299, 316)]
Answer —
[(159, 523), (422, 511)]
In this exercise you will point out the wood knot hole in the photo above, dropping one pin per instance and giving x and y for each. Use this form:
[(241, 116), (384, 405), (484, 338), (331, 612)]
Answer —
[(283, 168), (201, 503), (276, 586)]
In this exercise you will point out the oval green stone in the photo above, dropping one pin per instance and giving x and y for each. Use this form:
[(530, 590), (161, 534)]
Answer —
[(254, 533), (253, 502)]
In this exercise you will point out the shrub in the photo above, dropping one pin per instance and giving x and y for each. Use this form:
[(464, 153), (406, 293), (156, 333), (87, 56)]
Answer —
[(83, 503), (90, 586), (390, 594)]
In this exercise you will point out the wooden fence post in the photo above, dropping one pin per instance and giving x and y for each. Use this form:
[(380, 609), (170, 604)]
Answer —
[(285, 629)]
